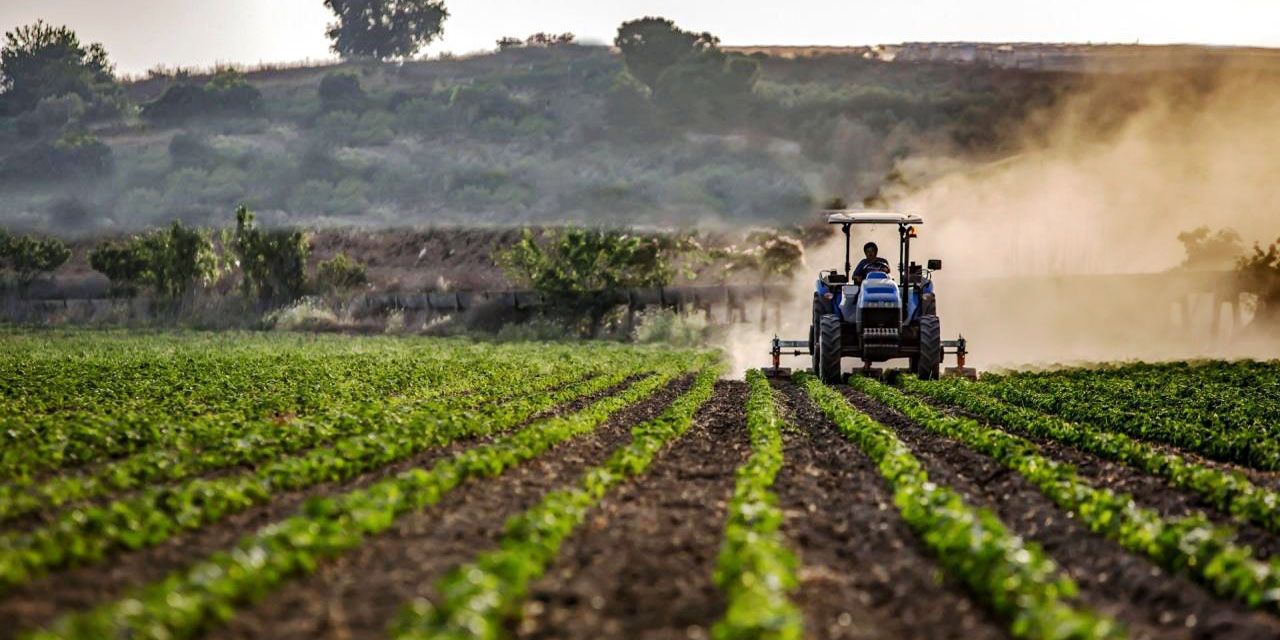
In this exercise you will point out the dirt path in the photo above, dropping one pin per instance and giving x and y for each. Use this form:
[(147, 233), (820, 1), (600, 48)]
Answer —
[(1151, 602), (863, 572), (42, 600), (359, 594), (641, 567)]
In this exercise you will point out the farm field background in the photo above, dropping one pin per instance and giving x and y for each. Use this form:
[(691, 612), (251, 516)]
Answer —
[(236, 485)]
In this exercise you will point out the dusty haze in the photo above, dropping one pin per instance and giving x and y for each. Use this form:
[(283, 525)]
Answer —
[(1103, 183)]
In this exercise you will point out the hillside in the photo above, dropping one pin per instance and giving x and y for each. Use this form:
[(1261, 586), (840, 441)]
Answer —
[(525, 135)]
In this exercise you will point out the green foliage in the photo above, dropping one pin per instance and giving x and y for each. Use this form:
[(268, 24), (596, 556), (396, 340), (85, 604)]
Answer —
[(341, 91), (574, 261), (227, 93), (28, 257), (671, 328), (1201, 409), (1232, 492), (340, 273), (76, 154), (1190, 545), (41, 61), (383, 29), (487, 391), (692, 81), (272, 263), (345, 128), (479, 597), (1014, 578), (171, 262), (583, 271), (651, 45), (755, 569)]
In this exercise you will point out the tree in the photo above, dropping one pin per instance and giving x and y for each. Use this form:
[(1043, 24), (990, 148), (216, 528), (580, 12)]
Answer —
[(383, 29), (1259, 274), (273, 263), (651, 45), (586, 271), (29, 257), (41, 61), (170, 261)]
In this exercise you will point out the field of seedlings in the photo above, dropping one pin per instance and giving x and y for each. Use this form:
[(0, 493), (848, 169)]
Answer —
[(224, 485)]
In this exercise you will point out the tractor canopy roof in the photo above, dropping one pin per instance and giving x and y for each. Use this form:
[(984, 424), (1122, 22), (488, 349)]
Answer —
[(845, 216)]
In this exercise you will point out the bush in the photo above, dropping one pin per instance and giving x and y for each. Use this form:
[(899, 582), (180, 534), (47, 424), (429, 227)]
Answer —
[(227, 93), (340, 273), (188, 149), (344, 128), (272, 263), (341, 91), (170, 261), (74, 155), (670, 328)]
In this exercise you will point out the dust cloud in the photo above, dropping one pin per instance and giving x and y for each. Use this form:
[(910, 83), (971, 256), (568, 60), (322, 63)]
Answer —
[(1058, 253)]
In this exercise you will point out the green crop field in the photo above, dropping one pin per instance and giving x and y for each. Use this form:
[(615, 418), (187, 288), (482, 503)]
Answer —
[(234, 485)]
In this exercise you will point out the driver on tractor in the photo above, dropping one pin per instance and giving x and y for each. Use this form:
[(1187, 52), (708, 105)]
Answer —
[(872, 262)]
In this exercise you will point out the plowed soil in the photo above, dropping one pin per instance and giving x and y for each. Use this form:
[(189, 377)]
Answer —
[(642, 565)]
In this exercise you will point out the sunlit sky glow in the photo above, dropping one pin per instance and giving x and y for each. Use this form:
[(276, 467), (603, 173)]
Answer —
[(141, 34)]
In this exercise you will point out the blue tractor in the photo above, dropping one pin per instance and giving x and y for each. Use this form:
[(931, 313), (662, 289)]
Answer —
[(870, 316)]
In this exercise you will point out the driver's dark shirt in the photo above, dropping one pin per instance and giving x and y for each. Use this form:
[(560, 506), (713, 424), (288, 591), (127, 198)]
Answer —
[(867, 265)]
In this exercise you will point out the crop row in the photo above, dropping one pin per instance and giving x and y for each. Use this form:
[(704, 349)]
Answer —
[(210, 591), (755, 570), (34, 443), (223, 444), (1190, 545), (1217, 419), (1016, 579), (478, 598), (85, 535), (1231, 492)]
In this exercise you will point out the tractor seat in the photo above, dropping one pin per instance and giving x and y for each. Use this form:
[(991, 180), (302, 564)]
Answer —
[(834, 277)]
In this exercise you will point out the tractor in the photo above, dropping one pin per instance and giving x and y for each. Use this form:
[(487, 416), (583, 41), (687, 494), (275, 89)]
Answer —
[(874, 318)]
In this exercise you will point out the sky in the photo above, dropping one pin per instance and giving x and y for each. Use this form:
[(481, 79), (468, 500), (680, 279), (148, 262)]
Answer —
[(143, 34)]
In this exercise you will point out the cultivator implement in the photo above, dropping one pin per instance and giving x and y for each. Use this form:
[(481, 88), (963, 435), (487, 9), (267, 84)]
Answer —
[(799, 348)]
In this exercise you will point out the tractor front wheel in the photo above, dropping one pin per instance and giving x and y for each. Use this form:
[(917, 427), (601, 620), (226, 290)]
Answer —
[(829, 348), (929, 361)]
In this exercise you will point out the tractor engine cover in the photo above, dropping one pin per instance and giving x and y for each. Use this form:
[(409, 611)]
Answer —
[(879, 316)]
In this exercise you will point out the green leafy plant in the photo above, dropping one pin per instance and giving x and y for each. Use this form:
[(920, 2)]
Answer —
[(272, 263)]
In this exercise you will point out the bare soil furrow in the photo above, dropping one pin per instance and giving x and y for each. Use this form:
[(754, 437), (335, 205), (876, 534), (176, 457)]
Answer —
[(360, 593), (864, 574), (641, 566), (1150, 601)]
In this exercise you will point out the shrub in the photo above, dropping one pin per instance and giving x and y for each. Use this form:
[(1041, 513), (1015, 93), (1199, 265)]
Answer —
[(170, 261), (349, 196), (29, 257), (188, 149), (227, 93), (341, 91), (671, 328), (372, 128), (307, 314), (340, 273), (272, 263)]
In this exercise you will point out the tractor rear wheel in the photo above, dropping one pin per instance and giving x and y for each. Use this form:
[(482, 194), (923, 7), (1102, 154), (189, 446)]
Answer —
[(928, 362), (829, 348)]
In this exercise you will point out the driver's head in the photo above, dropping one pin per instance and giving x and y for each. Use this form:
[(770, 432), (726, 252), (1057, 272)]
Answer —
[(871, 250)]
